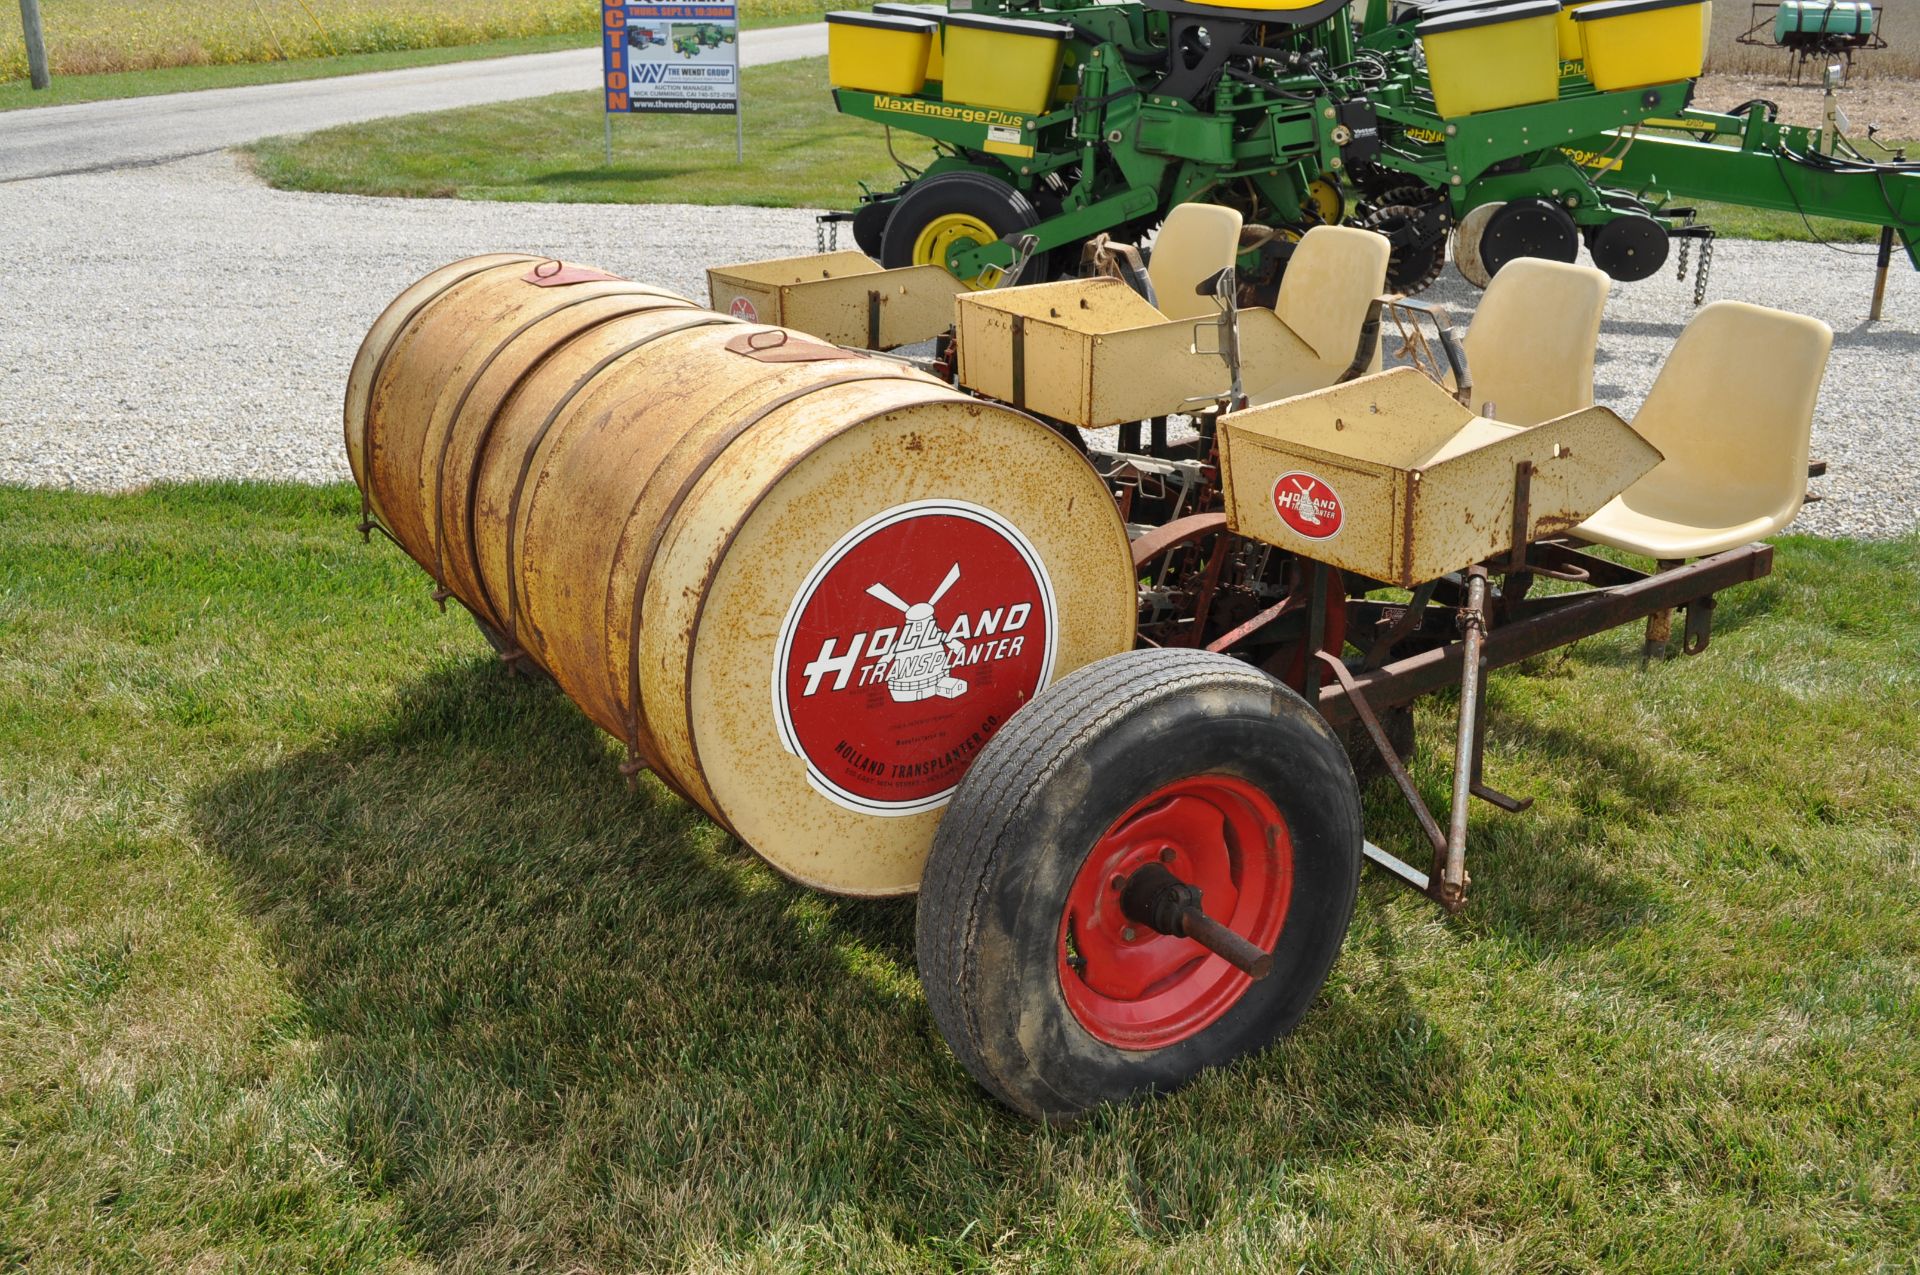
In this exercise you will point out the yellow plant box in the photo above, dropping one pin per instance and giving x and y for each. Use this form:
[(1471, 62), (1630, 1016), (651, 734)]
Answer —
[(1569, 33), (1388, 476), (1491, 58), (1010, 64), (935, 13), (844, 298), (1629, 44), (878, 53)]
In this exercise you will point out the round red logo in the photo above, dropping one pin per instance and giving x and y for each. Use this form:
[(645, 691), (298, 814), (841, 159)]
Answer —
[(743, 309), (911, 642), (1308, 505)]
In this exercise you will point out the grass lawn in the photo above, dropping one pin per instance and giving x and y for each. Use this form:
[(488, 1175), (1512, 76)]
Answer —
[(325, 944), (800, 151), (1736, 222)]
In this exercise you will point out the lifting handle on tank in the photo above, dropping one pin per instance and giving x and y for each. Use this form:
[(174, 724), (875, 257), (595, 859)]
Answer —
[(1162, 902)]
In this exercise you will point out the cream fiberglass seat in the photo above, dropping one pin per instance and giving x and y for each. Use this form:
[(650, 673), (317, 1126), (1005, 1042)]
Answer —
[(1732, 412), (1333, 277), (1195, 243), (1530, 346)]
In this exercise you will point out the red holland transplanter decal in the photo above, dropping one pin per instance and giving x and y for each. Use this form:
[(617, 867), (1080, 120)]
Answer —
[(743, 309), (1308, 505), (912, 641)]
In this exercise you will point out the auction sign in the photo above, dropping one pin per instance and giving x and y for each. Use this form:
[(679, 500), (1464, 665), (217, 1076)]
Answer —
[(682, 58)]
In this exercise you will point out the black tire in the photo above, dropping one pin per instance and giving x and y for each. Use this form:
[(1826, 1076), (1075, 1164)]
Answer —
[(1057, 777), (870, 225), (523, 668), (997, 205)]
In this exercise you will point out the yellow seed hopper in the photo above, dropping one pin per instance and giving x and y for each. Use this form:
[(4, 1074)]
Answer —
[(1389, 476), (845, 298)]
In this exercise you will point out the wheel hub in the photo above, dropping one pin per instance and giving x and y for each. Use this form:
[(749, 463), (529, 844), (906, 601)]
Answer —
[(1137, 986), (945, 237)]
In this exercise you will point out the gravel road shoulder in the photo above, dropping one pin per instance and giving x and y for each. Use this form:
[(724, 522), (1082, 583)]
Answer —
[(183, 321)]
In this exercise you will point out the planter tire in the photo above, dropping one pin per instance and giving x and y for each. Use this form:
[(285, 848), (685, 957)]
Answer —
[(1110, 762), (950, 207)]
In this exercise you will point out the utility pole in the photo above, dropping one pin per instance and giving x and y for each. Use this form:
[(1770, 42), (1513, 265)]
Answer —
[(36, 46)]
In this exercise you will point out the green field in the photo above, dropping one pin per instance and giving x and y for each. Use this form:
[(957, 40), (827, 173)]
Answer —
[(800, 151), (327, 945), (89, 37), (18, 94)]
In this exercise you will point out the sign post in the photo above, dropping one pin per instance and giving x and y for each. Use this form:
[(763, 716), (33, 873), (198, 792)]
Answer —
[(678, 58), (36, 44)]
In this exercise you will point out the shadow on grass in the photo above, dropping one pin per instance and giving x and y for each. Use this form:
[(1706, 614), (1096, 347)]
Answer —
[(1736, 607), (570, 1022), (610, 177), (1536, 876)]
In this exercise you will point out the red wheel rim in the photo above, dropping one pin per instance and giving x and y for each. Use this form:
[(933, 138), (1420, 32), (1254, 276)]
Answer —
[(1137, 989)]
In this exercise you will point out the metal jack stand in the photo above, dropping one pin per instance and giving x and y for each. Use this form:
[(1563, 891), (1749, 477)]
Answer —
[(1447, 881)]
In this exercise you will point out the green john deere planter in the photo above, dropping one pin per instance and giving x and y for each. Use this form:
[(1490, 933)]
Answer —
[(1461, 124)]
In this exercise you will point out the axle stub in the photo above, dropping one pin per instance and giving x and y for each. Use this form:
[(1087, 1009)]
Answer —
[(1162, 902)]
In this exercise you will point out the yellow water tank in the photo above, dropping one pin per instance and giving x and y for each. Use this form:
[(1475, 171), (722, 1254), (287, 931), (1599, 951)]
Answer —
[(805, 586)]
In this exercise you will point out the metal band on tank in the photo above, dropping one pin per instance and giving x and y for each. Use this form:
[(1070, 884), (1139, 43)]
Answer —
[(367, 521), (453, 420), (701, 319), (636, 710)]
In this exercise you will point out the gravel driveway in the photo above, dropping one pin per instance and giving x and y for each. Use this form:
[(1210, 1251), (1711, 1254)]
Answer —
[(183, 321)]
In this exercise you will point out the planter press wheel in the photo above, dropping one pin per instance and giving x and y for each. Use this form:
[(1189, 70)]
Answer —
[(1532, 227), (951, 212), (1059, 944)]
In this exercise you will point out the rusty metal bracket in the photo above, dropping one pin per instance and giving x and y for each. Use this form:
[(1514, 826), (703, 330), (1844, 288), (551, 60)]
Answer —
[(1476, 784), (1316, 626), (1388, 757), (1408, 620), (1699, 630), (873, 318), (1248, 628), (1522, 516), (1660, 623), (1020, 360)]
